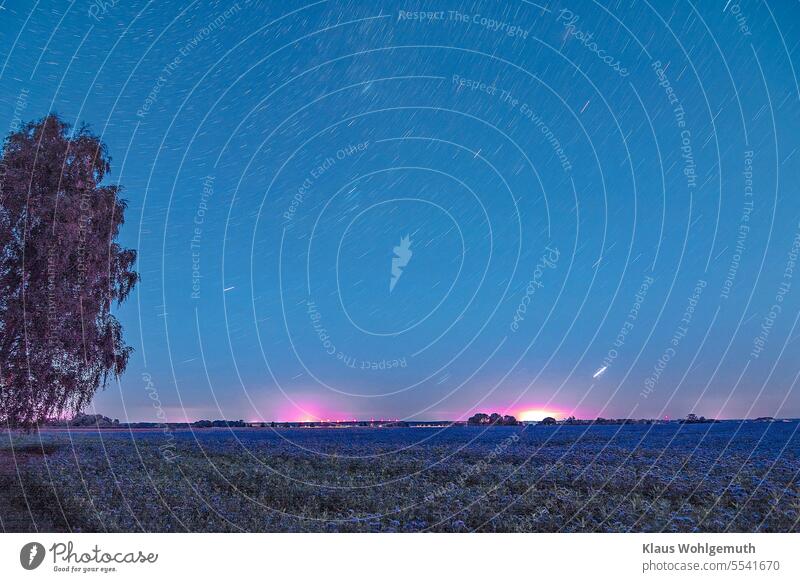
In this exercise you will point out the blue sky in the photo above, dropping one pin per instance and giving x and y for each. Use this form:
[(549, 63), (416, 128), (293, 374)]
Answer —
[(599, 200)]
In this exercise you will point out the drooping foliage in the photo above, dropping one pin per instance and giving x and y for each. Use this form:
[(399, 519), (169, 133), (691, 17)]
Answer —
[(61, 271)]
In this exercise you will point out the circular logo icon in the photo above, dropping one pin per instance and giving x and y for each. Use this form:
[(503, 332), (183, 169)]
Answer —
[(31, 555)]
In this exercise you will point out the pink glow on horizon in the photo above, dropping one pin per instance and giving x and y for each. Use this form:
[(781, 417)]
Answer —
[(313, 408), (538, 413), (305, 411), (528, 412)]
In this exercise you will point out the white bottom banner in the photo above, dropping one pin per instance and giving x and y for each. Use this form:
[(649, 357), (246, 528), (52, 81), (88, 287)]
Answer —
[(404, 557)]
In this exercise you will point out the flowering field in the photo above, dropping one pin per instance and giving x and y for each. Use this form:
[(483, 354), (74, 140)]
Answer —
[(719, 477)]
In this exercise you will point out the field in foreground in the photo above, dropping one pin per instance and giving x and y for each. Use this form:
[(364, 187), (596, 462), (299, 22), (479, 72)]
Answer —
[(724, 477)]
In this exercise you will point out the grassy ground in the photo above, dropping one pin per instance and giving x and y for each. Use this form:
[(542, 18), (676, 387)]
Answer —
[(727, 477), (26, 505)]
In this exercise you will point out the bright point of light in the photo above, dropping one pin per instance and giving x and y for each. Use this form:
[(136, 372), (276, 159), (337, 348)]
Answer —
[(599, 372), (537, 415)]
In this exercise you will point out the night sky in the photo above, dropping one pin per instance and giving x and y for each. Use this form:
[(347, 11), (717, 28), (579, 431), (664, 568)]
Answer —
[(357, 210)]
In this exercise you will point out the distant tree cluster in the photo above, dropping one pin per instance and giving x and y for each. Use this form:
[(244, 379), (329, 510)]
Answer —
[(492, 419), (89, 420), (219, 424), (694, 419)]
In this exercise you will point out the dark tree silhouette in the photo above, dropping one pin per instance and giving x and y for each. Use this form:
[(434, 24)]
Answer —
[(495, 418), (60, 272), (479, 418)]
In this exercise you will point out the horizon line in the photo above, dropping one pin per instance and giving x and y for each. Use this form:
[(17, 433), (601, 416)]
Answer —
[(398, 420)]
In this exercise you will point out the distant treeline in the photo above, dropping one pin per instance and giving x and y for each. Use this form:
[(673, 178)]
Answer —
[(690, 419), (100, 421), (479, 419)]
